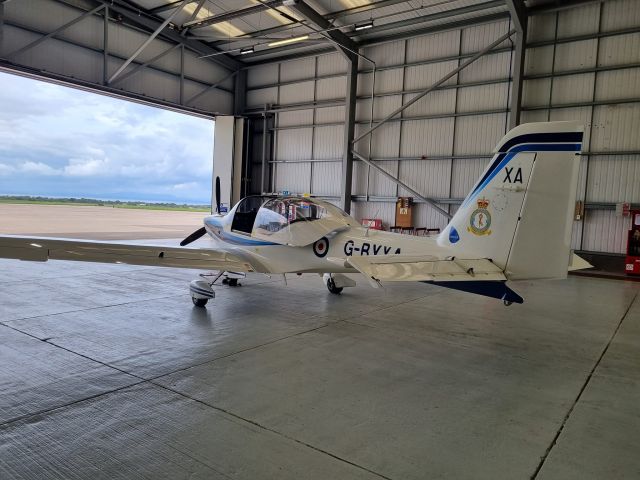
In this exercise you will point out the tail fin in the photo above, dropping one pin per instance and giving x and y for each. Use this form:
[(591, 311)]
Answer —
[(519, 213)]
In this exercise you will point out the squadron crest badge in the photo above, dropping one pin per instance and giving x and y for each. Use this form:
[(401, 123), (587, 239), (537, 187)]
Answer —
[(480, 220)]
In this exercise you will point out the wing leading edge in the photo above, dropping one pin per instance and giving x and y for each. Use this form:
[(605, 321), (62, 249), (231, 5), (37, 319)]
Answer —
[(43, 249)]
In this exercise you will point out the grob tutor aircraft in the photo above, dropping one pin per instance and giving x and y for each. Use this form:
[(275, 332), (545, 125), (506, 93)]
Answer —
[(515, 224)]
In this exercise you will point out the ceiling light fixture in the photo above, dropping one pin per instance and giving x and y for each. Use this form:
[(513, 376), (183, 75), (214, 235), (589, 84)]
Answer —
[(244, 51), (287, 41), (363, 26)]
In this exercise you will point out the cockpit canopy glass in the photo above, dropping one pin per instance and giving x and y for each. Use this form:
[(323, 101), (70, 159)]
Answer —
[(278, 213), (297, 221)]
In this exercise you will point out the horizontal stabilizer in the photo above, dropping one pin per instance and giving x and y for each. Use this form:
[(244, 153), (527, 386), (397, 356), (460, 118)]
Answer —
[(578, 263), (399, 268), (497, 290)]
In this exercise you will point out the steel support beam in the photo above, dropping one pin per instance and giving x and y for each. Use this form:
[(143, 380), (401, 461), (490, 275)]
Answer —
[(37, 42), (181, 93), (168, 6), (139, 67), (93, 87), (210, 87), (518, 12), (549, 7), (349, 129), (263, 170), (365, 7), (225, 17), (152, 24), (349, 50), (515, 102), (1, 28), (344, 44), (435, 85), (146, 43), (195, 13), (411, 102), (240, 93), (375, 31), (105, 46), (402, 184), (99, 51)]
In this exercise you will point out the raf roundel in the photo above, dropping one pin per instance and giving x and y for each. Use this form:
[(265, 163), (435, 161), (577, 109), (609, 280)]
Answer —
[(321, 247)]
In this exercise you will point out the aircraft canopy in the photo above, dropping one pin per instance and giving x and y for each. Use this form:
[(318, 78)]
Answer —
[(297, 221)]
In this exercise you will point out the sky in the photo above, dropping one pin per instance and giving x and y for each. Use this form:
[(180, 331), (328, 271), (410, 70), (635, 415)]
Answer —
[(62, 142)]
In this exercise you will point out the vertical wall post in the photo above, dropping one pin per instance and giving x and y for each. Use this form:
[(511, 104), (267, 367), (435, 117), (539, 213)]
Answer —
[(182, 74), (349, 130), (1, 28), (516, 82), (240, 93), (105, 46), (263, 172), (519, 18)]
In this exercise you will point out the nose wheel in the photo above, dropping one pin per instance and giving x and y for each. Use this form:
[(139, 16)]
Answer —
[(199, 302), (201, 292)]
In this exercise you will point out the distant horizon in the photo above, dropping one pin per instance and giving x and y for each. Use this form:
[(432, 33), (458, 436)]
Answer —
[(61, 142), (101, 199)]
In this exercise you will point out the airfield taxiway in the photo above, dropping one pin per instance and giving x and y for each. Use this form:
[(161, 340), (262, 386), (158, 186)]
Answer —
[(108, 371)]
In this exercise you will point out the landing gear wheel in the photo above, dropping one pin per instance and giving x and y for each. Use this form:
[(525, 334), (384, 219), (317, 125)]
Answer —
[(199, 302), (507, 303), (231, 282), (331, 286)]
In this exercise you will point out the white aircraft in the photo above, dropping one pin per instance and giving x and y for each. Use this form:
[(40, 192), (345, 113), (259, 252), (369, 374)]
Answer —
[(515, 224)]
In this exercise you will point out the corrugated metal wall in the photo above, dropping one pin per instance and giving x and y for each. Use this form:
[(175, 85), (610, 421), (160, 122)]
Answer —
[(77, 53), (437, 146), (582, 63)]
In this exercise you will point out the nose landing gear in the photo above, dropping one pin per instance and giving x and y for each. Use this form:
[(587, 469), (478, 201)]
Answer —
[(202, 290)]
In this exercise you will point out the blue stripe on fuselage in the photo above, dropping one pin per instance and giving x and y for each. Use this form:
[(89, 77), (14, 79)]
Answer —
[(242, 240)]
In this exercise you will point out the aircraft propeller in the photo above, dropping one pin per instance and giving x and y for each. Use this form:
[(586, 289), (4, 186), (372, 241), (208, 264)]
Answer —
[(193, 237), (218, 195), (202, 231)]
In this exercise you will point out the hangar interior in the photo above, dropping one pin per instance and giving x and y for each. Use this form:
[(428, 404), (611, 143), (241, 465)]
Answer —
[(109, 374)]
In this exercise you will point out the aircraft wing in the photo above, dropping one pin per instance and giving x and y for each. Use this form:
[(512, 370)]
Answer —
[(400, 268), (43, 249)]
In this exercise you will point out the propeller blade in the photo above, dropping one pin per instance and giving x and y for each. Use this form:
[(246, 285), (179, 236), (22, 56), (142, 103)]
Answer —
[(193, 237), (218, 194)]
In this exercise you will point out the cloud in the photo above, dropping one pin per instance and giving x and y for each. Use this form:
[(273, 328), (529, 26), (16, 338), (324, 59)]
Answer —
[(38, 168), (98, 144), (86, 168), (6, 169)]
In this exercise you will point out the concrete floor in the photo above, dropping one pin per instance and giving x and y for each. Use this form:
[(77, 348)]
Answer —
[(108, 372)]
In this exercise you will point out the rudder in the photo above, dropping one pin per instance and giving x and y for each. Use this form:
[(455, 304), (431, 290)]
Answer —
[(519, 212)]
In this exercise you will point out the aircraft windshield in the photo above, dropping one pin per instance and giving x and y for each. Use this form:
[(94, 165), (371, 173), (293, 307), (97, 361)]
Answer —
[(297, 221), (279, 213)]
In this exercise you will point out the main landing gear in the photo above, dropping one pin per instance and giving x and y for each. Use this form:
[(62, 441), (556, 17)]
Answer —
[(331, 286), (336, 282)]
